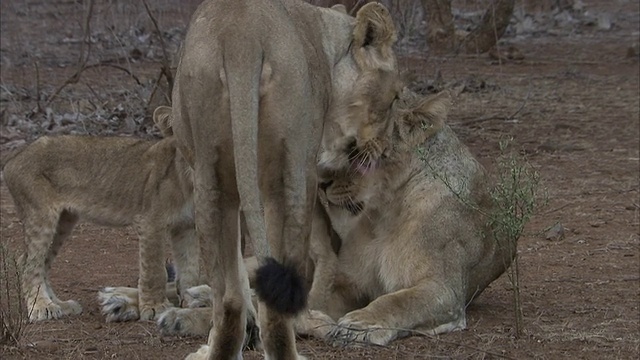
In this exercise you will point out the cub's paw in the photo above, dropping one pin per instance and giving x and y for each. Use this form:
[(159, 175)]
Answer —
[(151, 312), (185, 321), (119, 304), (53, 310), (359, 327), (196, 297)]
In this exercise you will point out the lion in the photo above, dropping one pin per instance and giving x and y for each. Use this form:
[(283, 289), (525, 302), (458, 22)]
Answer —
[(113, 181), (257, 83), (416, 245)]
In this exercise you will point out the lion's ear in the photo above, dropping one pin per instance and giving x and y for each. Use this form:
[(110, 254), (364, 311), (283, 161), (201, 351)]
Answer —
[(373, 37), (162, 119), (419, 123), (339, 7)]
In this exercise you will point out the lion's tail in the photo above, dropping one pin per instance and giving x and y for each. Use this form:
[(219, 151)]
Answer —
[(278, 286)]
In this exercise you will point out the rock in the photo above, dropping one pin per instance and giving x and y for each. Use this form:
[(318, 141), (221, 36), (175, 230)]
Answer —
[(45, 346), (604, 21), (556, 233)]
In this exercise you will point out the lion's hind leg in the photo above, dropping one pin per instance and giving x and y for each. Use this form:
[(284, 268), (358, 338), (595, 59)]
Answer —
[(66, 223), (45, 232)]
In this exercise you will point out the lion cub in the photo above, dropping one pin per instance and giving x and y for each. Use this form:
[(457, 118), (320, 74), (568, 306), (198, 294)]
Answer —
[(113, 181)]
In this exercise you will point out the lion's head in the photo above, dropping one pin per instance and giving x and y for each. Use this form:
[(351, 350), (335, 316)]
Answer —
[(412, 120), (375, 133)]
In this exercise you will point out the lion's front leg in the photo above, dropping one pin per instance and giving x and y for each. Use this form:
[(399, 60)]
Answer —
[(429, 305), (324, 258), (186, 256), (152, 300)]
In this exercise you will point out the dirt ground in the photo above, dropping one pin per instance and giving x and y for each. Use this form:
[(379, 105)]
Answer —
[(571, 106)]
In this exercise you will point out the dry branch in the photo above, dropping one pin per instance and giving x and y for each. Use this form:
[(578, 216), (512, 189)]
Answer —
[(441, 34), (494, 23), (85, 52), (166, 67), (498, 117)]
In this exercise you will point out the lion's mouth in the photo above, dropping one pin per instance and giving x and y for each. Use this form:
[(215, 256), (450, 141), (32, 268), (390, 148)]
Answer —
[(365, 160), (354, 207)]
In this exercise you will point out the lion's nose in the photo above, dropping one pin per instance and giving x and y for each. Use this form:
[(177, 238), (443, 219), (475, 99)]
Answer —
[(325, 185)]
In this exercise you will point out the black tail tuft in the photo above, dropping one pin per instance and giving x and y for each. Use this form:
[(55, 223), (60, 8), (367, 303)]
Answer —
[(280, 287)]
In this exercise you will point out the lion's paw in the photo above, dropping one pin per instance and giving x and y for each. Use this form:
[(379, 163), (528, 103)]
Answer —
[(118, 304), (196, 297), (360, 327), (201, 354), (151, 312), (53, 310), (185, 321)]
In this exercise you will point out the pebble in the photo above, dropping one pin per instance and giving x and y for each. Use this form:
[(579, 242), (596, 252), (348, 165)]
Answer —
[(556, 233)]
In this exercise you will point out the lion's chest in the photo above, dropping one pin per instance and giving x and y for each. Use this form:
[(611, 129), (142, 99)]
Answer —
[(380, 256)]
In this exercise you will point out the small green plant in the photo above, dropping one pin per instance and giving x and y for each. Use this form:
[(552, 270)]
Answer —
[(13, 312), (515, 197)]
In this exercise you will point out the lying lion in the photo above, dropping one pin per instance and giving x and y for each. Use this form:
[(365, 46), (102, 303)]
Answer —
[(113, 181), (416, 246)]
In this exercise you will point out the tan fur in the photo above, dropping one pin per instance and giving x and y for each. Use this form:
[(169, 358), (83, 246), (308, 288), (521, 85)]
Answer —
[(417, 253), (256, 83), (113, 181)]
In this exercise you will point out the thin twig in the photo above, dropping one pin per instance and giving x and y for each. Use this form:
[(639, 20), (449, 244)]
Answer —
[(85, 52), (497, 117), (103, 64), (166, 68), (39, 107), (155, 87)]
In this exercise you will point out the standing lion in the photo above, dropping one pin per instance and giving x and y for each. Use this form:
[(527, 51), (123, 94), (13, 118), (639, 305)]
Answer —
[(257, 83)]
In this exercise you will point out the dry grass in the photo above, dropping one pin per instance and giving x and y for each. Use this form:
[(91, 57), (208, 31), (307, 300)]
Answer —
[(13, 312)]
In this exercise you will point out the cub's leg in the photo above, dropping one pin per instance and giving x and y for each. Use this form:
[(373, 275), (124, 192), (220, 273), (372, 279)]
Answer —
[(186, 257), (430, 305), (196, 320), (123, 303), (152, 300), (314, 321), (324, 257), (45, 232)]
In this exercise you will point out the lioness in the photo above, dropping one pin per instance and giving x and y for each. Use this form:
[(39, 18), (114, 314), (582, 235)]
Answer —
[(416, 244), (256, 83), (114, 181)]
